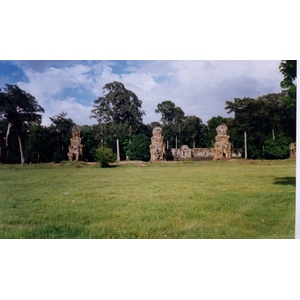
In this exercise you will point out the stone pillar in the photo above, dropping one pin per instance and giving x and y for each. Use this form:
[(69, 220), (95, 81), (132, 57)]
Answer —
[(75, 147), (222, 145), (157, 147)]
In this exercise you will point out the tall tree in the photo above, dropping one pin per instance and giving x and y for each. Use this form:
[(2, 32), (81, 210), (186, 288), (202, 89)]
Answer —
[(62, 129), (179, 119), (40, 145), (118, 106), (20, 109), (192, 130), (260, 118), (172, 118), (167, 111), (211, 133), (288, 68)]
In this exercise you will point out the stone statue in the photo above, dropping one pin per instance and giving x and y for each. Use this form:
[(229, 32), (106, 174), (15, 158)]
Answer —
[(157, 147), (75, 147), (222, 145)]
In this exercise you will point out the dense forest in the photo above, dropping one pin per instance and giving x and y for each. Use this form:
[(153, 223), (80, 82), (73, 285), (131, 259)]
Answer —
[(269, 122)]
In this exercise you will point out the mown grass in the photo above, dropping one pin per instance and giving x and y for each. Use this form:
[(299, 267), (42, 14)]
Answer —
[(214, 199)]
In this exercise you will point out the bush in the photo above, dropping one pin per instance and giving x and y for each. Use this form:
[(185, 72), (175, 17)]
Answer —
[(105, 156), (278, 148)]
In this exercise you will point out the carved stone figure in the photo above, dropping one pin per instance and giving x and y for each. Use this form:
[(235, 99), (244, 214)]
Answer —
[(75, 147), (157, 147), (222, 145)]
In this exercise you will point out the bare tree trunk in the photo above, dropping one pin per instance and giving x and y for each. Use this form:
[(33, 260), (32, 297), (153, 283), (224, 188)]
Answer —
[(245, 137), (7, 134), (118, 150), (273, 134), (21, 149), (6, 140)]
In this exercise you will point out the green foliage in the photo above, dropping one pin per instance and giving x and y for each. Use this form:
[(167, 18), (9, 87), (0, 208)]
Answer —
[(90, 140), (212, 125), (20, 110), (277, 148), (259, 117), (191, 131), (139, 148), (288, 68), (167, 111), (118, 107), (289, 111), (40, 147), (105, 156), (61, 128)]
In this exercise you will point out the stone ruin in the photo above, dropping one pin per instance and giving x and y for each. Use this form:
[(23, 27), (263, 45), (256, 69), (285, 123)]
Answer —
[(292, 149), (222, 149), (157, 147), (75, 147), (222, 145)]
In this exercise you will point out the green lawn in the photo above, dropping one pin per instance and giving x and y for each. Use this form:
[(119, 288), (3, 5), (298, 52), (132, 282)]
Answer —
[(213, 199)]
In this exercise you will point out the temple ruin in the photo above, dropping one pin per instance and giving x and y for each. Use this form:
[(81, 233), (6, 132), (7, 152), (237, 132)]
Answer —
[(222, 145), (157, 147), (292, 149), (75, 147), (222, 148)]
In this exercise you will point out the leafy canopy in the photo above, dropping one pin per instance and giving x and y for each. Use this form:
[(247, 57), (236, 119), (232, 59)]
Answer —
[(118, 105)]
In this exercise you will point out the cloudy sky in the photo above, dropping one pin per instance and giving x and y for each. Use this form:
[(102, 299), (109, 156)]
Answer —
[(199, 87)]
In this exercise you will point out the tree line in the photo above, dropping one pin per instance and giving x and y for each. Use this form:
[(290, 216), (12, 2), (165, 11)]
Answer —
[(268, 122)]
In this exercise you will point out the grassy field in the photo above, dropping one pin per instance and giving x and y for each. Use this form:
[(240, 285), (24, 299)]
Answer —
[(213, 199)]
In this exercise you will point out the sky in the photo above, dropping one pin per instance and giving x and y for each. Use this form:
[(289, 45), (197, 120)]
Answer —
[(199, 87)]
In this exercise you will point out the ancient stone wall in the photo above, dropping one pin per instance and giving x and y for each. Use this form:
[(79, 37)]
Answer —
[(222, 150), (204, 153)]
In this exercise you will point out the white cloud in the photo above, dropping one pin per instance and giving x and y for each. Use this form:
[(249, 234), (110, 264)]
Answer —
[(199, 87)]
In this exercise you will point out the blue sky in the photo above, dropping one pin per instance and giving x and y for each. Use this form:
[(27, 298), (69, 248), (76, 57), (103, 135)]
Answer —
[(199, 87)]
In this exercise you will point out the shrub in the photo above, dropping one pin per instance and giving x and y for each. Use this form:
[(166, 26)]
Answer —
[(105, 156), (277, 148)]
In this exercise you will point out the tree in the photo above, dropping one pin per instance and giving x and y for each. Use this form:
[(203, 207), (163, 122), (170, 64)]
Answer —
[(40, 145), (277, 148), (20, 109), (118, 106), (139, 148), (211, 133), (90, 140), (62, 130), (172, 118), (167, 111), (191, 131), (179, 119), (260, 118), (288, 68)]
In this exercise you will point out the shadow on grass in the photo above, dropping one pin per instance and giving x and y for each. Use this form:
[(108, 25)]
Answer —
[(285, 181)]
